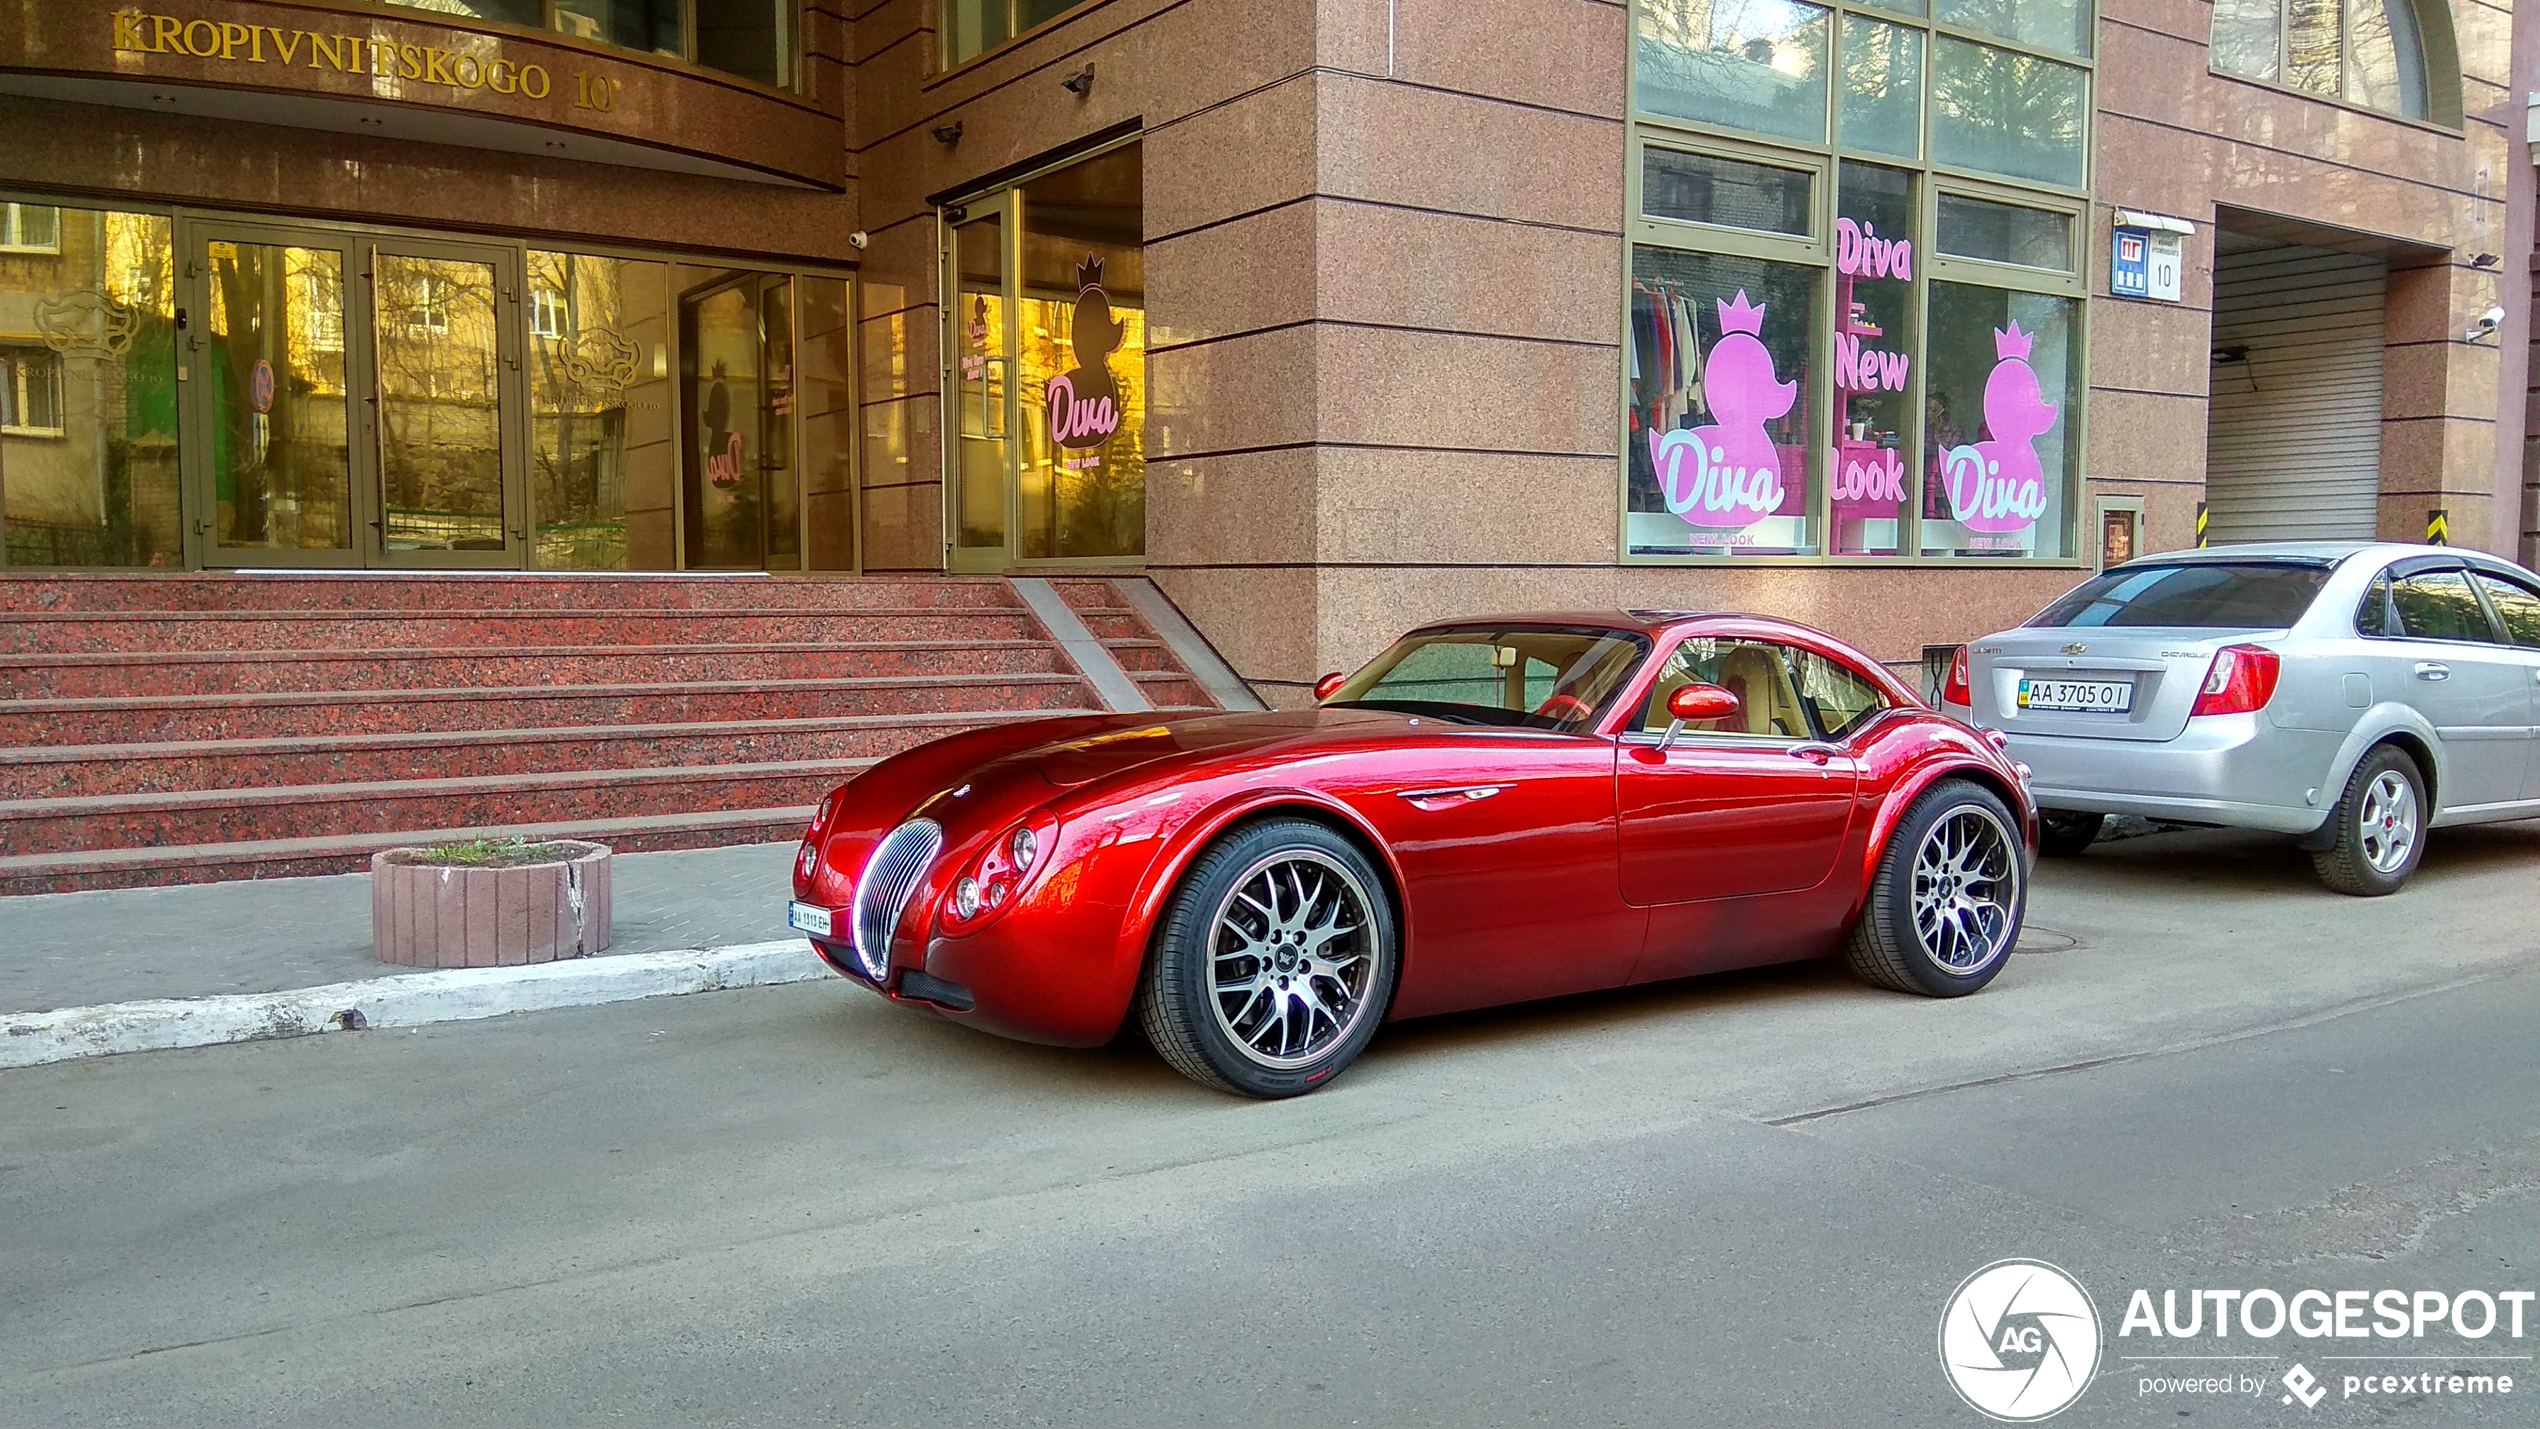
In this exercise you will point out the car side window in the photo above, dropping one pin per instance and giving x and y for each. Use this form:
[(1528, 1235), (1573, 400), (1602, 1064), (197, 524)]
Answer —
[(1757, 672), (2518, 604), (1836, 696), (2439, 605)]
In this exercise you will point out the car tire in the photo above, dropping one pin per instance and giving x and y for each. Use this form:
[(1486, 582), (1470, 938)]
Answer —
[(2380, 822), (1274, 963), (2062, 834), (1945, 904)]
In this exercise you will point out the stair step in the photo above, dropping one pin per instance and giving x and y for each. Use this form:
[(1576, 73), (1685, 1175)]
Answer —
[(102, 676), (48, 826), (97, 771), (456, 593), (162, 719), (47, 633), (303, 857)]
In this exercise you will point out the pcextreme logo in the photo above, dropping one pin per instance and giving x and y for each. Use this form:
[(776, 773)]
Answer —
[(2019, 1341)]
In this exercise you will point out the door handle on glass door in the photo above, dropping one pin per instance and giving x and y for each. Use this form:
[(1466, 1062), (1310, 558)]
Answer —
[(2431, 670), (1814, 751)]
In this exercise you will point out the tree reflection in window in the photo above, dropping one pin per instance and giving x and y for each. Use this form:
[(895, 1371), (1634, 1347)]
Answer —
[(2366, 52)]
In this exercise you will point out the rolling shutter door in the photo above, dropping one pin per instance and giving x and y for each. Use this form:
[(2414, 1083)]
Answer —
[(2293, 435)]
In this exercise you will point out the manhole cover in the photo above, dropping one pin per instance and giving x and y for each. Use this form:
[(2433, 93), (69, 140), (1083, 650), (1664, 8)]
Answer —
[(2034, 939)]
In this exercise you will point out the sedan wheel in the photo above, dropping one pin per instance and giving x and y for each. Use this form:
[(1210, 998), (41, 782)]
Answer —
[(2380, 827), (1275, 962), (1945, 905)]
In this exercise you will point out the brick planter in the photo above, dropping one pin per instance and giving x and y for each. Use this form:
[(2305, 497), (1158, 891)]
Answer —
[(436, 916)]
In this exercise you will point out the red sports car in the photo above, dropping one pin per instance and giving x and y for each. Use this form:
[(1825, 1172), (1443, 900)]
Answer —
[(1490, 811)]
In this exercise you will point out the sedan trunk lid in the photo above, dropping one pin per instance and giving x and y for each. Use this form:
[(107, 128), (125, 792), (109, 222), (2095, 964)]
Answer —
[(2161, 668)]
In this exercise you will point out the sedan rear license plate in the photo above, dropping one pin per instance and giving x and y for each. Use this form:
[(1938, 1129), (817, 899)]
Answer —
[(807, 919), (2083, 696)]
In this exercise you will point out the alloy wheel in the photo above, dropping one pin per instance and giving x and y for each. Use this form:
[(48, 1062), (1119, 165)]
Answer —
[(1292, 955), (2388, 821), (1966, 887)]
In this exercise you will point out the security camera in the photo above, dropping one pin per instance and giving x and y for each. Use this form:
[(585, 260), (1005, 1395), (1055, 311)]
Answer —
[(2487, 322), (860, 240)]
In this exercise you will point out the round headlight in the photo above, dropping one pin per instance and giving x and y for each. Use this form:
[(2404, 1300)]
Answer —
[(966, 900), (1020, 849)]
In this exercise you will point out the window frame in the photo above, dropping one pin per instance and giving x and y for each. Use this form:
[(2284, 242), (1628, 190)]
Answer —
[(789, 44), (1931, 179), (14, 371), (13, 227), (2438, 51), (947, 63)]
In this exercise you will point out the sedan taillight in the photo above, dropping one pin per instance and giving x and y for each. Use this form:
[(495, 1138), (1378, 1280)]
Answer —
[(2241, 681), (1956, 690)]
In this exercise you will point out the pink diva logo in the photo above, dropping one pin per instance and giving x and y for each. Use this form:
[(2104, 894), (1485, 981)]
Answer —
[(1085, 403), (1997, 487), (1729, 476)]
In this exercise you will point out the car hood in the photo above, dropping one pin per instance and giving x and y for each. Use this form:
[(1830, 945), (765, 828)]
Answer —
[(1285, 734)]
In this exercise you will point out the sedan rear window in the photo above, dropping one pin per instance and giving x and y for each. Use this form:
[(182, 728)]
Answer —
[(2255, 595)]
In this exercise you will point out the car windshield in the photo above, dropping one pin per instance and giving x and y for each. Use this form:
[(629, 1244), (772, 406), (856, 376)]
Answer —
[(1541, 678), (2253, 595)]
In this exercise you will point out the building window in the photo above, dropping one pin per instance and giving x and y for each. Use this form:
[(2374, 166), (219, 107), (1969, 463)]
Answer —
[(1855, 298), (322, 299), (755, 39), (2366, 52), (30, 228), (974, 27), (30, 392), (547, 314)]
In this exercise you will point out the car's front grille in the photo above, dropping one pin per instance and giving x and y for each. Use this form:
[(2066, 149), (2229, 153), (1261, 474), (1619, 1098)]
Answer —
[(891, 876)]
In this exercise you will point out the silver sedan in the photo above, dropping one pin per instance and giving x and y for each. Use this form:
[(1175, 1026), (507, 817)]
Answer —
[(2353, 695)]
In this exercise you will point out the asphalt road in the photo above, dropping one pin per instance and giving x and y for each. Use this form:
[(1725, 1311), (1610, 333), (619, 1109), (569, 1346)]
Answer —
[(1740, 1201)]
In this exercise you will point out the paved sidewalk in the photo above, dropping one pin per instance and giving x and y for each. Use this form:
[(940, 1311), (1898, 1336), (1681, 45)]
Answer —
[(117, 945)]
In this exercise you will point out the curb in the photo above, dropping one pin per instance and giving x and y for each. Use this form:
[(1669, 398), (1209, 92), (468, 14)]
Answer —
[(404, 1000)]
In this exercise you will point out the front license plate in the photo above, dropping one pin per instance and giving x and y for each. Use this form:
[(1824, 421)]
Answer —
[(807, 919), (2084, 696)]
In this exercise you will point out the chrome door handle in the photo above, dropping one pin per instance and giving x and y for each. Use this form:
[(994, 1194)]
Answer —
[(1814, 751), (2432, 670)]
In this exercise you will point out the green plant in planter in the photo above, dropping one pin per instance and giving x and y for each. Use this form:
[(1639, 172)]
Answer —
[(490, 853)]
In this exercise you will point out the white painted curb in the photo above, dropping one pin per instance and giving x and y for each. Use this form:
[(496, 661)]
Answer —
[(405, 1000)]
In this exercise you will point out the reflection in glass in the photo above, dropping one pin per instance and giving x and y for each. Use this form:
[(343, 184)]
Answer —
[(2007, 113), (1703, 188), (2005, 233), (628, 24), (827, 351), (1882, 88), (1720, 461), (88, 464), (2247, 35), (736, 353), (1873, 358), (2000, 455), (980, 376), (2314, 55), (751, 38), (2048, 24), (1757, 65), (280, 473), (2385, 66), (440, 405), (1081, 362), (601, 461)]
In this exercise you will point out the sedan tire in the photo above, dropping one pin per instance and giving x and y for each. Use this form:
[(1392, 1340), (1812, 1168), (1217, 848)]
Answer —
[(1275, 962), (2380, 823), (1945, 905), (2062, 834)]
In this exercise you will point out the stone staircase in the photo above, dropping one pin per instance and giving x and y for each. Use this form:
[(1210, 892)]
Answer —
[(180, 729)]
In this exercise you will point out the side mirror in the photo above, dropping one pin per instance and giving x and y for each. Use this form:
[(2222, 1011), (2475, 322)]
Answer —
[(1329, 686), (1696, 704)]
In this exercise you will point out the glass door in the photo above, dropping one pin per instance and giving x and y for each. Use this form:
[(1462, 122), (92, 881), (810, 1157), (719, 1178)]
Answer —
[(265, 365), (445, 366), (985, 416), (742, 494)]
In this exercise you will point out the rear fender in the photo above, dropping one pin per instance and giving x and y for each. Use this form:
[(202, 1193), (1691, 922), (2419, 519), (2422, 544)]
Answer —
[(1184, 846), (2387, 723), (1911, 787)]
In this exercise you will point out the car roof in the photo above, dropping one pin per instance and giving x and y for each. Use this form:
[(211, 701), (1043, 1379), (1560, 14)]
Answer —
[(2313, 553), (1638, 622)]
